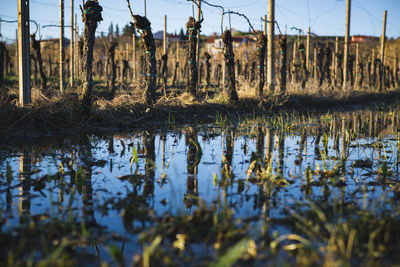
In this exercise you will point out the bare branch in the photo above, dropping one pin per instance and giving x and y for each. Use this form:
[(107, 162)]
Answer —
[(243, 16), (201, 11)]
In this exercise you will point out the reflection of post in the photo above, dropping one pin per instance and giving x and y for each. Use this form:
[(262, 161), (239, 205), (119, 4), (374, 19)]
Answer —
[(150, 157), (193, 159), (269, 146), (87, 189), (281, 151), (24, 190)]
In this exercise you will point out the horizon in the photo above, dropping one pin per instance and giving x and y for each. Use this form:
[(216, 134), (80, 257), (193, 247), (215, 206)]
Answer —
[(326, 18)]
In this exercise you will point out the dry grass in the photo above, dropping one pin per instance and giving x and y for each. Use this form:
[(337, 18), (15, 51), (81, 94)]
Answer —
[(60, 113)]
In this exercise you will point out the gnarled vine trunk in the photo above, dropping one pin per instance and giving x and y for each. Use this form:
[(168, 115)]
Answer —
[(283, 60), (261, 45), (230, 65), (91, 16), (111, 58), (150, 74), (192, 27)]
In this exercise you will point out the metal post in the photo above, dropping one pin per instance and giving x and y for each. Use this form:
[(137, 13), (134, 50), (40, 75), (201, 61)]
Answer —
[(346, 44), (315, 66), (308, 49), (77, 56), (198, 41), (23, 52), (72, 58), (165, 41), (61, 43), (16, 53), (271, 47), (134, 54), (266, 50), (357, 60), (335, 58)]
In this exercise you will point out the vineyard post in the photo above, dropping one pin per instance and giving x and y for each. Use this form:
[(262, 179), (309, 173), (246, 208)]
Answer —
[(373, 69), (23, 52), (308, 49), (76, 49), (134, 54), (71, 45), (177, 58), (346, 44), (383, 43), (165, 40), (395, 74), (271, 48), (315, 66), (16, 52), (266, 50), (294, 68), (357, 68), (61, 44), (198, 41), (383, 38)]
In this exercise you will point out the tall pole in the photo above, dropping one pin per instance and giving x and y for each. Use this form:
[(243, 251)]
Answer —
[(383, 38), (346, 43), (134, 54), (61, 43), (16, 52), (23, 52), (308, 49), (72, 58), (357, 60), (271, 47), (266, 50), (145, 8), (335, 58), (165, 35), (198, 39), (78, 60)]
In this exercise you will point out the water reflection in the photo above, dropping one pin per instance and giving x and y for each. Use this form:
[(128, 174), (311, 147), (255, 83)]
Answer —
[(258, 168)]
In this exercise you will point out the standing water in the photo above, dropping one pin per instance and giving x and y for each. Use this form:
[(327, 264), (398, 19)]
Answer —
[(284, 189)]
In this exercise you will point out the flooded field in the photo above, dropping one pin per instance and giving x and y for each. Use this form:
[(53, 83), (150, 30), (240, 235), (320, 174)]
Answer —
[(285, 189)]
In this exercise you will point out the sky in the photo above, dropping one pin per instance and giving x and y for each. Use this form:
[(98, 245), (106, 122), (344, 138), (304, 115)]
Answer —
[(325, 17)]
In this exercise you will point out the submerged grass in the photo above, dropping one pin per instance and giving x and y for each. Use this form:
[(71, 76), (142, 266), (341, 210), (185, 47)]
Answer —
[(340, 217)]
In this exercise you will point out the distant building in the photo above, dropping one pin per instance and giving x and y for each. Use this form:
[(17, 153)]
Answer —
[(363, 39), (214, 44)]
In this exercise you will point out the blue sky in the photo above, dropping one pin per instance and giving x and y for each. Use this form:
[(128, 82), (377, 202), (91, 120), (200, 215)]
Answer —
[(325, 17)]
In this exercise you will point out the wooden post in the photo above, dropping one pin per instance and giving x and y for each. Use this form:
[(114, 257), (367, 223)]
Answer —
[(71, 45), (23, 52), (198, 41), (336, 59), (315, 65), (134, 55), (16, 53), (357, 69), (346, 43), (165, 40), (77, 56), (61, 43), (271, 47), (308, 49), (383, 38), (294, 63), (266, 50)]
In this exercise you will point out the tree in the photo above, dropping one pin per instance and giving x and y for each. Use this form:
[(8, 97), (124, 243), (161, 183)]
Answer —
[(117, 30), (111, 29), (128, 30)]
